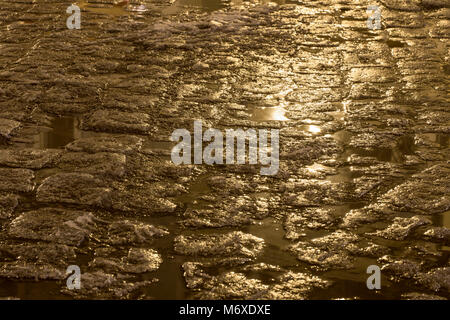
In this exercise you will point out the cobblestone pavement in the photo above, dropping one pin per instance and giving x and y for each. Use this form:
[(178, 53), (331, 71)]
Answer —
[(86, 175)]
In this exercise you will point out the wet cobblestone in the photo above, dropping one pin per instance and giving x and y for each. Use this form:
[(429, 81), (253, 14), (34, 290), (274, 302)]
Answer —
[(86, 178)]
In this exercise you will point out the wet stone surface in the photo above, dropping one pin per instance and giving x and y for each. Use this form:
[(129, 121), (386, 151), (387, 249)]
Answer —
[(86, 177), (77, 188), (59, 226)]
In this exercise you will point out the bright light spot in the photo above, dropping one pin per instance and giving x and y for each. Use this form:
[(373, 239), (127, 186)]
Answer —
[(140, 8), (314, 129), (315, 168), (278, 114)]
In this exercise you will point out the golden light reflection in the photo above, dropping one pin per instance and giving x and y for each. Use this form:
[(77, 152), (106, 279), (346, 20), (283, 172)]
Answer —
[(115, 10), (269, 114), (315, 168), (314, 129), (279, 114)]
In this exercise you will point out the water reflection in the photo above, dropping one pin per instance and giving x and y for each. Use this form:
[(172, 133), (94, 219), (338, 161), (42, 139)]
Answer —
[(63, 131), (207, 5), (269, 114), (123, 8), (314, 129), (214, 5), (115, 10), (405, 146), (277, 70), (311, 129), (446, 219), (441, 139), (442, 219)]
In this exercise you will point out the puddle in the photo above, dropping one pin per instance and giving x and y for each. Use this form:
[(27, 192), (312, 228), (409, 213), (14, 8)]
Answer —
[(205, 5), (311, 128), (29, 290), (63, 131), (446, 219), (171, 284), (115, 10), (273, 234), (268, 114), (405, 146), (214, 5), (271, 50), (442, 219), (395, 44), (381, 154), (440, 138)]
